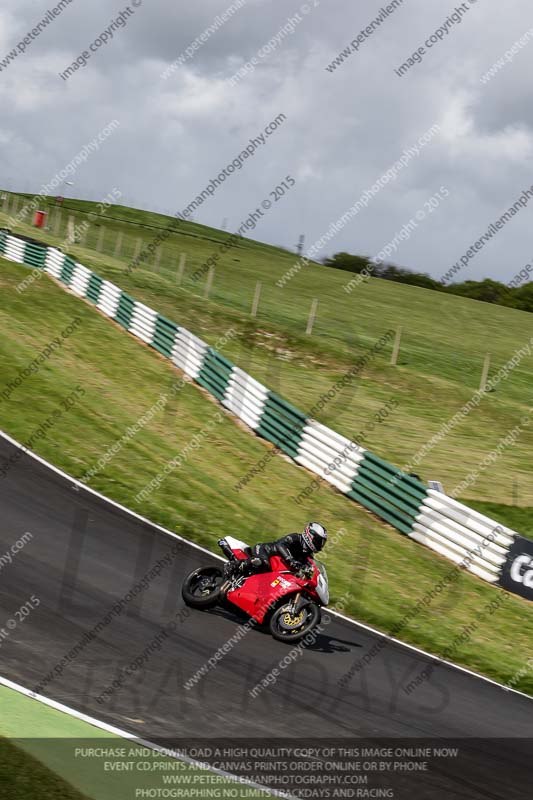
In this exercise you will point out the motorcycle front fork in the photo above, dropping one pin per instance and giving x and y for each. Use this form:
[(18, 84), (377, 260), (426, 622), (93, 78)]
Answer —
[(293, 608)]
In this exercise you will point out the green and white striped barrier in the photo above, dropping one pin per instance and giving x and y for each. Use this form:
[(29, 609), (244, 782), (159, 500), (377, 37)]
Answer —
[(448, 527)]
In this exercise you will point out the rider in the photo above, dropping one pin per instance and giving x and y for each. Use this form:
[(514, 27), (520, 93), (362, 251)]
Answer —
[(294, 549)]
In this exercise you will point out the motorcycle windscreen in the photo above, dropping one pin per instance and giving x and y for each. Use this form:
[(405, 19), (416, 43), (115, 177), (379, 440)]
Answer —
[(322, 587)]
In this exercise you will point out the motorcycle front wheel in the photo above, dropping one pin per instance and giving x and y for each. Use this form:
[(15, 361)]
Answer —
[(201, 589), (285, 627)]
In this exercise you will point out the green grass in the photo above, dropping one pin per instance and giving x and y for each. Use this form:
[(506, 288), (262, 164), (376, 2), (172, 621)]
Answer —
[(517, 517), (24, 778), (384, 572), (445, 339), (39, 762)]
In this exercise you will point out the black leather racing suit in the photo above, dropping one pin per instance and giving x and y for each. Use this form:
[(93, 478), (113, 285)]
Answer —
[(290, 548)]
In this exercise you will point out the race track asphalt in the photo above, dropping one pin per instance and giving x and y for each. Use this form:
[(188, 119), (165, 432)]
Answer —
[(85, 555)]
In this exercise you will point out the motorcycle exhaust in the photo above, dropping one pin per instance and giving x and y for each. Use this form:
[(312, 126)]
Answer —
[(226, 549)]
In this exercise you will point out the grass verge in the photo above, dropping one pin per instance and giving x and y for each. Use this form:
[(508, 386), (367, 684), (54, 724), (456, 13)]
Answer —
[(25, 778)]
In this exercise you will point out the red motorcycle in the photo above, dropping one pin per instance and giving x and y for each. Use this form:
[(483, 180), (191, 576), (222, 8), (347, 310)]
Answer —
[(287, 603)]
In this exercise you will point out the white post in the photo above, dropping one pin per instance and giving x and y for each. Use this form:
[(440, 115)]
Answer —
[(209, 282), (57, 222), (181, 268), (100, 241), (312, 315), (485, 374), (396, 348), (118, 244), (257, 295), (71, 230)]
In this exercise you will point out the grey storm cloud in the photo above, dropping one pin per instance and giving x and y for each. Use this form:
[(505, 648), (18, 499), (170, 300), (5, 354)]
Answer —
[(192, 84)]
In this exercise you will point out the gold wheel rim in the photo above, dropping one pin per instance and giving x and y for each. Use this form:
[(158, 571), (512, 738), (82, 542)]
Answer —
[(290, 621)]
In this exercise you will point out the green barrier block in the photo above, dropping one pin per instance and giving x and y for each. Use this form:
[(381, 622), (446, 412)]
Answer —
[(162, 345), (211, 375), (382, 491), (34, 255), (215, 373), (163, 339), (287, 408), (67, 270), (218, 361), (266, 434), (281, 429), (167, 325), (124, 311), (380, 511), (93, 288), (285, 412), (407, 479), (284, 438), (362, 482), (274, 438), (213, 381), (222, 360), (211, 387), (401, 490), (288, 427)]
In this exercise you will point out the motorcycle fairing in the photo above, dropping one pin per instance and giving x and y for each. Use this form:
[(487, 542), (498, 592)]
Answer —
[(262, 590)]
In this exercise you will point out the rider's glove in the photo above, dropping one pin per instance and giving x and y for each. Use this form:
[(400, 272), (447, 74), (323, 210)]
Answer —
[(304, 570)]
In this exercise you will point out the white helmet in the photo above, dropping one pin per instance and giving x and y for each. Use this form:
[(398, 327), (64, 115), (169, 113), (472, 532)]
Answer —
[(314, 537)]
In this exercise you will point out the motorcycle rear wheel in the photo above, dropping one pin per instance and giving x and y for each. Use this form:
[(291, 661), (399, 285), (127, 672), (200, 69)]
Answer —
[(286, 628), (201, 589)]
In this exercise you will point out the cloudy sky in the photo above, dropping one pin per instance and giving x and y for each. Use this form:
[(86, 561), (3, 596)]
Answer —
[(343, 130)]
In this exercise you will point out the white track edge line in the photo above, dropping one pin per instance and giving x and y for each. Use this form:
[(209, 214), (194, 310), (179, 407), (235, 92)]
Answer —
[(362, 625), (133, 737)]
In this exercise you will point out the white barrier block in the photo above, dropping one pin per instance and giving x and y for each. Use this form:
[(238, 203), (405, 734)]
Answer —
[(188, 352), (80, 280), (142, 322), (109, 298), (245, 397), (54, 262), (14, 249)]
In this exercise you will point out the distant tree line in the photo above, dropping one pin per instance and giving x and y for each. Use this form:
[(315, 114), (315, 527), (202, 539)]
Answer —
[(520, 296)]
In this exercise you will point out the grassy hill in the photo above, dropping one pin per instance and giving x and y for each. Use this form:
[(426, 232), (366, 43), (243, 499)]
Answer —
[(384, 573), (444, 343)]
